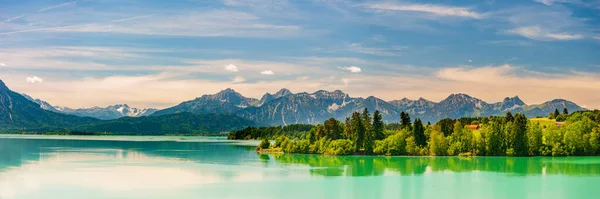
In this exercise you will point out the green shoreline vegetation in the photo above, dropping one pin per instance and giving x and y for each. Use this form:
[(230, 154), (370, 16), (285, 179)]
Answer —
[(561, 134)]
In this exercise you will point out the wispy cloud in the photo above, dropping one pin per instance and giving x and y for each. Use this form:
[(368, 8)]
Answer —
[(2, 64), (57, 6), (10, 19), (388, 51), (238, 79), (441, 10), (537, 33)]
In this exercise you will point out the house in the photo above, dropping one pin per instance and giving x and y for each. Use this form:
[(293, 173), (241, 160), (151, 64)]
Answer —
[(473, 127), (558, 124)]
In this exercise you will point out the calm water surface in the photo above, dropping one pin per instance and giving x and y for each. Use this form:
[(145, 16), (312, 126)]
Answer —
[(65, 167)]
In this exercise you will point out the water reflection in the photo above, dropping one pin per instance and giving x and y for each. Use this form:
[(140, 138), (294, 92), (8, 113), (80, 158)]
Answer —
[(54, 168), (376, 166)]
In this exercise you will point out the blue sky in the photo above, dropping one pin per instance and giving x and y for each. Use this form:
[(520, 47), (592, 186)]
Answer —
[(159, 53)]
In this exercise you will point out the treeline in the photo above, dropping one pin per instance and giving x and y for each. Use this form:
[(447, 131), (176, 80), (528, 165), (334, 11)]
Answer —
[(272, 132), (510, 135)]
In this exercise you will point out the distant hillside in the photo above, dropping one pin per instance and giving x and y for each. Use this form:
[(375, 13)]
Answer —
[(180, 123)]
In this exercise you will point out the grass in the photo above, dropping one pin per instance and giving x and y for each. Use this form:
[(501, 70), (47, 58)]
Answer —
[(543, 121)]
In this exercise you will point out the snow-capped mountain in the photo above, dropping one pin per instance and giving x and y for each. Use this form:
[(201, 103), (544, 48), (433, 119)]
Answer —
[(104, 113)]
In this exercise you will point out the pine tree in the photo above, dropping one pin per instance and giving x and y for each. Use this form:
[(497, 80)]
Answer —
[(419, 132), (520, 135), (509, 117), (358, 131), (556, 113), (369, 137), (404, 120), (378, 126), (565, 111)]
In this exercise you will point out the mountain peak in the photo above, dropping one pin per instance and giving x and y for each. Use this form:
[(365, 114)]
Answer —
[(283, 92), (513, 100), (3, 86)]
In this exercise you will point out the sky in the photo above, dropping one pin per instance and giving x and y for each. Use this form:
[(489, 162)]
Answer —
[(156, 53)]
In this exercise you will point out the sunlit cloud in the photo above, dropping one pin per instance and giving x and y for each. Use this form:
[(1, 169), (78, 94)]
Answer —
[(238, 79), (33, 80), (352, 69), (267, 72), (537, 33), (231, 67)]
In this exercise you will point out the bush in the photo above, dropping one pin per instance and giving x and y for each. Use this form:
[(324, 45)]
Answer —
[(340, 147), (264, 144), (392, 145)]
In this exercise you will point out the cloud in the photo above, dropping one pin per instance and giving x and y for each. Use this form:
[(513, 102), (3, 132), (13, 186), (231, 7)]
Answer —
[(57, 6), (352, 69), (346, 81), (537, 33), (359, 48), (267, 72), (34, 79), (231, 67), (440, 10), (2, 64), (470, 61), (10, 19), (550, 2), (238, 79), (215, 23)]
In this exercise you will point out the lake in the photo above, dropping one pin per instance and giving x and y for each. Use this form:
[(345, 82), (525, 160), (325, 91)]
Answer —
[(63, 167)]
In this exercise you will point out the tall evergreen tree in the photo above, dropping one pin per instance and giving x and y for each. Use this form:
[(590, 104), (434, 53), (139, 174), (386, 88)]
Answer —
[(358, 130), (520, 135), (333, 129), (369, 139), (509, 117), (404, 120), (419, 132), (378, 126), (565, 111), (556, 113), (348, 130)]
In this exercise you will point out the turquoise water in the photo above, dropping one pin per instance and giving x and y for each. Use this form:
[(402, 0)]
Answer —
[(194, 167)]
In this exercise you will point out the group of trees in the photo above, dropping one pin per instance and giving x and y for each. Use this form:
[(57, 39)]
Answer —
[(559, 117), (509, 135)]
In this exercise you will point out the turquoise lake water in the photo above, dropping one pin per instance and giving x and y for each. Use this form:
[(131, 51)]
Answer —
[(65, 167)]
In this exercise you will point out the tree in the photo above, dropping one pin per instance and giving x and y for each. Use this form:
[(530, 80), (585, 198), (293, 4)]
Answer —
[(556, 113), (358, 131), (565, 111), (419, 132), (509, 117), (437, 144), (446, 126), (369, 138), (264, 144), (404, 120), (333, 129), (519, 131), (348, 133), (378, 126), (534, 139), (493, 138)]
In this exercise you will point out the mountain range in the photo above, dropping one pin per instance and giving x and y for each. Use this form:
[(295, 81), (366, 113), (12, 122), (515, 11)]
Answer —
[(103, 113), (20, 113), (285, 107)]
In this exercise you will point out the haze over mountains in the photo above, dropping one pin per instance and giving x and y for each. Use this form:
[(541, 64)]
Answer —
[(103, 113), (281, 108)]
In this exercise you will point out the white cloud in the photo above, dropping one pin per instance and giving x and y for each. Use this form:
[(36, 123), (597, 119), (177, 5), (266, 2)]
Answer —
[(267, 72), (238, 79), (34, 79), (352, 69), (57, 6), (231, 67), (470, 61), (537, 33), (550, 2), (2, 64), (440, 10), (10, 19)]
